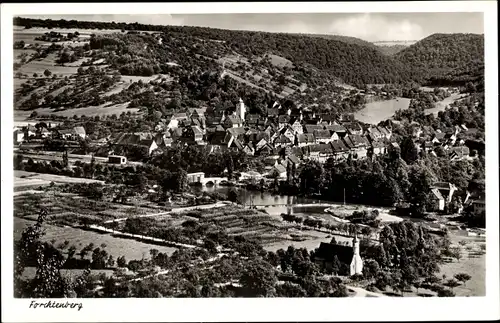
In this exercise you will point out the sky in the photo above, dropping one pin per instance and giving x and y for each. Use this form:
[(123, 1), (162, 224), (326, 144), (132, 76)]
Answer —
[(367, 26)]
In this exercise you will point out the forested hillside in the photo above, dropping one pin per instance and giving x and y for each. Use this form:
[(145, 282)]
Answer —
[(353, 63), (446, 58), (440, 59)]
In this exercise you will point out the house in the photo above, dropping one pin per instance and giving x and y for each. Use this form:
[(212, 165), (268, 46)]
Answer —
[(446, 189), (266, 150), (167, 139), (80, 132), (192, 134), (282, 141), (340, 151), (44, 132), (428, 146), (289, 133), (29, 132), (233, 121), (18, 136), (479, 205), (460, 152), (327, 119), (296, 126), (67, 134), (249, 149), (324, 136), (252, 120), (320, 152), (129, 140), (450, 139), (305, 139), (198, 113), (234, 135), (310, 128), (358, 145), (378, 147), (353, 128), (293, 159), (272, 112), (261, 143), (387, 133), (374, 133), (338, 129), (344, 259), (212, 121), (283, 120), (278, 171), (195, 177), (437, 200)]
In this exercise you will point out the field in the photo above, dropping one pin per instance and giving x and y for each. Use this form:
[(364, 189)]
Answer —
[(24, 179), (117, 247), (39, 66), (99, 110), (280, 61), (377, 111), (473, 262)]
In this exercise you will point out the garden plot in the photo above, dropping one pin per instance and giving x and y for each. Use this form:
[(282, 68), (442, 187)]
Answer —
[(65, 210)]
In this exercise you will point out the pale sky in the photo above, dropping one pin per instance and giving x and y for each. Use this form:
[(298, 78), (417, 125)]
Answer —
[(367, 26)]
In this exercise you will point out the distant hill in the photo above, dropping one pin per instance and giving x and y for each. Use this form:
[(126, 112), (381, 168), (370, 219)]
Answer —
[(445, 56), (345, 39), (391, 49)]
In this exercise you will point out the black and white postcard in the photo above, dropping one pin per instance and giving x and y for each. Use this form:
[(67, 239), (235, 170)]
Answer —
[(250, 161)]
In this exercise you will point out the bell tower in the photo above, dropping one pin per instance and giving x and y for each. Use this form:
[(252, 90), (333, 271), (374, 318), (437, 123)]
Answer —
[(241, 110), (357, 262)]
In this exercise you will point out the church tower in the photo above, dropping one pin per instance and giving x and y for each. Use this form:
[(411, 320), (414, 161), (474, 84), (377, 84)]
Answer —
[(241, 110), (357, 262)]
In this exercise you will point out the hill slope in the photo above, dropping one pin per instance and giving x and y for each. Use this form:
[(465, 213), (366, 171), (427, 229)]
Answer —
[(346, 59), (446, 56)]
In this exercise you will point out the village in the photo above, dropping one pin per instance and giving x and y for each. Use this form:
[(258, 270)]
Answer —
[(282, 137)]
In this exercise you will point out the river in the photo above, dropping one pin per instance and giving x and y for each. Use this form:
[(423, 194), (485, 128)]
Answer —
[(377, 111), (471, 264)]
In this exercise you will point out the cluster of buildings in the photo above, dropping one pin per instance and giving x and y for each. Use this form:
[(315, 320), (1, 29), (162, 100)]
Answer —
[(45, 131), (453, 140), (279, 132)]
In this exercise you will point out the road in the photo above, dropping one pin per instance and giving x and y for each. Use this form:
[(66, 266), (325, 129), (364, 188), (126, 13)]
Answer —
[(361, 292)]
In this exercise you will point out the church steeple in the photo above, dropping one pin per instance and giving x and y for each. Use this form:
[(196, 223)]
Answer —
[(241, 110), (357, 262)]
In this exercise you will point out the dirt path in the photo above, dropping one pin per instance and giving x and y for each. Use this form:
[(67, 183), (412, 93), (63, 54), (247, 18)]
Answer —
[(361, 292)]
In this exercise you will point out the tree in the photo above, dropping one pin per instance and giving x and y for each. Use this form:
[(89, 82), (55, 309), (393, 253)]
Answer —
[(259, 278), (409, 151), (444, 292), (463, 277), (47, 73), (452, 283), (29, 251), (121, 261), (232, 195), (311, 176)]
